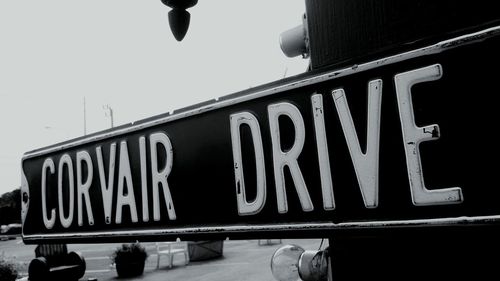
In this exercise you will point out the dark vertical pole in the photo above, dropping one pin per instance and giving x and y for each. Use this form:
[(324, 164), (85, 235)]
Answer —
[(439, 254), (348, 32), (331, 248), (84, 117)]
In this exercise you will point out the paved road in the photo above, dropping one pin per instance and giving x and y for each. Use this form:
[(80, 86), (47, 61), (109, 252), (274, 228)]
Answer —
[(242, 260)]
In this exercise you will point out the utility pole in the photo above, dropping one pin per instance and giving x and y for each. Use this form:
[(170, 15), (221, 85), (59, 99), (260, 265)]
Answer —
[(84, 117), (109, 113)]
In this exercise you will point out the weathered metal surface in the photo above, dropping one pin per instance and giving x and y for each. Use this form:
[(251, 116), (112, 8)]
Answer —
[(322, 152)]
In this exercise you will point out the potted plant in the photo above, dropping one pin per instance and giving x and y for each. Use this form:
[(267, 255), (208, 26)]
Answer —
[(129, 259)]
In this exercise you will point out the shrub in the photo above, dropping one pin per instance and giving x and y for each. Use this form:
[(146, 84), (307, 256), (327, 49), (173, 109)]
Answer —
[(129, 252), (129, 259), (8, 271)]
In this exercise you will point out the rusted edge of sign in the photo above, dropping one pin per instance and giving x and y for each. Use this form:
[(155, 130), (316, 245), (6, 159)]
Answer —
[(270, 228)]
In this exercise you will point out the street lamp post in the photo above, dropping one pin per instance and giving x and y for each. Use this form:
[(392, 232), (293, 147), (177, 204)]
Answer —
[(84, 117), (109, 113)]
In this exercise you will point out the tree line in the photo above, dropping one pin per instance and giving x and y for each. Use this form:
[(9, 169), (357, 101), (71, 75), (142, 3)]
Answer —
[(10, 207)]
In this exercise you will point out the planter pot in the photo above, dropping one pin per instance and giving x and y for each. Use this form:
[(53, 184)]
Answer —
[(130, 269)]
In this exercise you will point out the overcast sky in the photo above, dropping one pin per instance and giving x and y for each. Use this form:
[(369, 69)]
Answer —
[(121, 54)]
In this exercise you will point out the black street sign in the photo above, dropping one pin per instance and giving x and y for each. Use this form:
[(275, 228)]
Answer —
[(404, 141)]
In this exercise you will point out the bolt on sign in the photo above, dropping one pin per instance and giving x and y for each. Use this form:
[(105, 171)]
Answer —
[(404, 141)]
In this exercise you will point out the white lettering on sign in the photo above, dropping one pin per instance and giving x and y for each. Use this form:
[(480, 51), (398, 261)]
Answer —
[(288, 158), (245, 207), (144, 180), (365, 163), (125, 177), (323, 155), (107, 188), (66, 161), (414, 135), (83, 187), (160, 177), (125, 196), (49, 222)]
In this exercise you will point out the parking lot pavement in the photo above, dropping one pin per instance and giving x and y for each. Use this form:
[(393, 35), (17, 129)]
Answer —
[(241, 260), (244, 260), (16, 252)]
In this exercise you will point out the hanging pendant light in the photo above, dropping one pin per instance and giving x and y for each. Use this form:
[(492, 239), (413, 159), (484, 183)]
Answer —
[(178, 17)]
